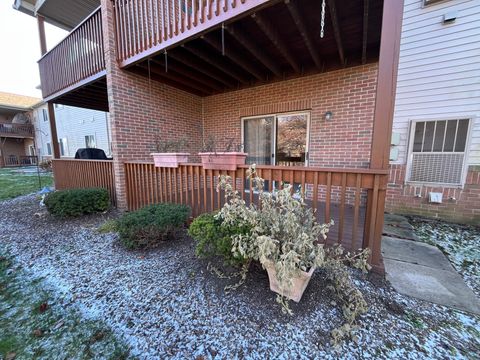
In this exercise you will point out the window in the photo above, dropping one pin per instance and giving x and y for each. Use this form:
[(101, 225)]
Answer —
[(49, 149), (58, 106), (431, 2), (63, 146), (277, 139), (437, 151), (90, 141), (45, 114)]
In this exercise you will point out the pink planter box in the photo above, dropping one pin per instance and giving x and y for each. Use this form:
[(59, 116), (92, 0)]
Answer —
[(169, 160), (222, 160), (299, 283)]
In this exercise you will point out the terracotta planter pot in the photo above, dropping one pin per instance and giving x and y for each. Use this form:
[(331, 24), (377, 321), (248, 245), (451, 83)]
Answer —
[(169, 160), (299, 283), (222, 160)]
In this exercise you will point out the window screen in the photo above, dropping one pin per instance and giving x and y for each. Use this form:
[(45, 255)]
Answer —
[(438, 151)]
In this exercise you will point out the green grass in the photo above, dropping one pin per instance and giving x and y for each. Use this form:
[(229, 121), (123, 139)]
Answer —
[(14, 183), (32, 326)]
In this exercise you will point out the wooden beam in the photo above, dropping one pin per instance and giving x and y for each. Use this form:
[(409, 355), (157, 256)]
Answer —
[(249, 44), (218, 63), (186, 71), (235, 56), (53, 130), (142, 72), (298, 19), (204, 68), (270, 31), (383, 115), (41, 34), (50, 107), (178, 78), (336, 30), (365, 31)]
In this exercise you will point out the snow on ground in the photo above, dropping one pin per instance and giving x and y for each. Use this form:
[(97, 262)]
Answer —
[(460, 243), (165, 304)]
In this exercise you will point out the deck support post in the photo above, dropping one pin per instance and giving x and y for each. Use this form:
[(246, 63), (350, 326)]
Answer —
[(383, 123), (51, 109)]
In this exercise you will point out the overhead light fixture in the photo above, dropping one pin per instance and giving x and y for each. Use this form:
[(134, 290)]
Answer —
[(328, 116)]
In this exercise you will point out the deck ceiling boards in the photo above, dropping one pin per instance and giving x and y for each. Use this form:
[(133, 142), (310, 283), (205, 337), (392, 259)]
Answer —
[(66, 14), (269, 46), (92, 96)]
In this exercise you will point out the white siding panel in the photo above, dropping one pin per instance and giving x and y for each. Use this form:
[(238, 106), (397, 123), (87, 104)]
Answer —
[(74, 124), (439, 69)]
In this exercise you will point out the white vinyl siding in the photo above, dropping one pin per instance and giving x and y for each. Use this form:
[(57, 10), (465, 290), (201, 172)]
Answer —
[(73, 124), (439, 70)]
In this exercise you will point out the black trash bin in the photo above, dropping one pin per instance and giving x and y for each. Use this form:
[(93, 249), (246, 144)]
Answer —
[(91, 154)]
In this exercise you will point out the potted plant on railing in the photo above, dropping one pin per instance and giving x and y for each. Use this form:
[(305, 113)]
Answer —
[(168, 153), (227, 159)]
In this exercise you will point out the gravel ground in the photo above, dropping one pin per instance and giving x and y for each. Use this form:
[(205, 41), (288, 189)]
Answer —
[(460, 243), (164, 303)]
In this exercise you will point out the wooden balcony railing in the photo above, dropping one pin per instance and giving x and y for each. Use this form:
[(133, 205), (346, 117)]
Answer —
[(17, 130), (73, 174), (348, 196), (22, 160), (76, 60), (145, 27)]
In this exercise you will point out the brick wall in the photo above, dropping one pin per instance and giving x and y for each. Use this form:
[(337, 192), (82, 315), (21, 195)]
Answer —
[(459, 204), (348, 93), (140, 109)]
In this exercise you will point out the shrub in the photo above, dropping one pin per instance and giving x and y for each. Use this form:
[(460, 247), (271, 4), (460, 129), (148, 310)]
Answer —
[(215, 239), (77, 202), (150, 225)]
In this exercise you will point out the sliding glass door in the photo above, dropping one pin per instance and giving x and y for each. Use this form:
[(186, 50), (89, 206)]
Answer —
[(277, 139), (258, 140)]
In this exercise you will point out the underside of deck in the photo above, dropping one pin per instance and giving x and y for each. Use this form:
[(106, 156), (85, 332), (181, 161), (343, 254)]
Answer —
[(275, 43)]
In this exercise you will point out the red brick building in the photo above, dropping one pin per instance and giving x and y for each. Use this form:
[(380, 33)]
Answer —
[(308, 90)]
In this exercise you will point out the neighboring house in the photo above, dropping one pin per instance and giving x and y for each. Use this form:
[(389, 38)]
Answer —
[(436, 127), (256, 71), (76, 128), (17, 146)]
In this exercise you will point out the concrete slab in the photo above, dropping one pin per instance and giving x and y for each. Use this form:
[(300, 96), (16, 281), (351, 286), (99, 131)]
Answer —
[(400, 232), (438, 286), (415, 253), (398, 221)]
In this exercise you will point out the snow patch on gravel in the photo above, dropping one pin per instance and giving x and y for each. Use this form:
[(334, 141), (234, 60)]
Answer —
[(165, 304)]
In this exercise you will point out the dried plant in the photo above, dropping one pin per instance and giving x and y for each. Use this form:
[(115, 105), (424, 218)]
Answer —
[(171, 146), (285, 232), (212, 146)]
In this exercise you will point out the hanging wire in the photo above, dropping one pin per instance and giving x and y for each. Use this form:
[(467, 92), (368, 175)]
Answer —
[(223, 39), (322, 20), (166, 61)]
